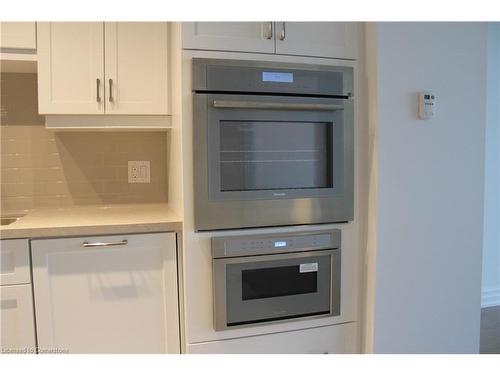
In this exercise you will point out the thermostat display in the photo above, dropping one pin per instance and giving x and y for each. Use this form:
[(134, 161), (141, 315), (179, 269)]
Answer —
[(426, 105)]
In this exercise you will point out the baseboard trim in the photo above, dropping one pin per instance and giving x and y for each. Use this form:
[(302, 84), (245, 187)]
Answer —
[(490, 297)]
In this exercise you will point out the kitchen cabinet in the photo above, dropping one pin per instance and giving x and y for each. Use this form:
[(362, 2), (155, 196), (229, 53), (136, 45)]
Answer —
[(335, 339), (107, 294), (14, 262), (70, 67), (321, 39), (17, 333), (229, 36), (17, 319), (18, 35), (324, 39), (93, 68)]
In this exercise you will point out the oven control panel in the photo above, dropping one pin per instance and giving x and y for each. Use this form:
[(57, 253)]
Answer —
[(270, 244)]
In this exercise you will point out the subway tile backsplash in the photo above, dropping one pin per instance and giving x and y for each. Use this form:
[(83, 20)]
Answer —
[(43, 168)]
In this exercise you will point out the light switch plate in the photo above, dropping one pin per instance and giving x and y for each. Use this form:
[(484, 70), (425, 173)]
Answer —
[(139, 172)]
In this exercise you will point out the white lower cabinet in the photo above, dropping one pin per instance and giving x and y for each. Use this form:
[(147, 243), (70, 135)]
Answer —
[(16, 312), (110, 294), (336, 339), (17, 334)]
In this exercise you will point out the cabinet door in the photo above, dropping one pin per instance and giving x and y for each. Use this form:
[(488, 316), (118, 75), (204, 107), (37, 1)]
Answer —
[(18, 35), (229, 36), (70, 68), (117, 294), (323, 39), (137, 68), (16, 312)]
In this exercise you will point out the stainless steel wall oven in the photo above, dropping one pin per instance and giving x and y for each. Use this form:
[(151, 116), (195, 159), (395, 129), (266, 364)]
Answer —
[(262, 279), (273, 144)]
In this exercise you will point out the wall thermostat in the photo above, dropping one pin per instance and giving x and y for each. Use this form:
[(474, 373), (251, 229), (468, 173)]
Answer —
[(426, 105)]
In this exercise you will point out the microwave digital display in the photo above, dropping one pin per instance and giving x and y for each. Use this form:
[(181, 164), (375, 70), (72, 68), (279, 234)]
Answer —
[(277, 77)]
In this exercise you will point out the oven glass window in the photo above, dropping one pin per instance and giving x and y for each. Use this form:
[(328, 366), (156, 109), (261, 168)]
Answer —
[(276, 282), (273, 155)]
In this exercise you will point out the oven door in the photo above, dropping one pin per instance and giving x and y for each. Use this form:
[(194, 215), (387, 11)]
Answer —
[(269, 288), (254, 155)]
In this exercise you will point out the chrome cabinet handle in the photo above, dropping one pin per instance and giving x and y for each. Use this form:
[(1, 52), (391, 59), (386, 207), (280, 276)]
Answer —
[(283, 31), (111, 90), (102, 244), (276, 105), (269, 30), (98, 84)]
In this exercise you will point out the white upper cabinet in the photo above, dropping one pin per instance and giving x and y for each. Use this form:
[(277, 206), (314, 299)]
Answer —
[(18, 35), (229, 36), (323, 39), (70, 68), (136, 68), (89, 68), (111, 294)]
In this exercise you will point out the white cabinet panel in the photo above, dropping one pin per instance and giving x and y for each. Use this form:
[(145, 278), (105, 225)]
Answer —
[(107, 299), (229, 36), (71, 68), (323, 39), (336, 339), (136, 68), (18, 35), (14, 262), (17, 322)]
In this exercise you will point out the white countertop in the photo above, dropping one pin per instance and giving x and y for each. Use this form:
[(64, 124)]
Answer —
[(92, 220)]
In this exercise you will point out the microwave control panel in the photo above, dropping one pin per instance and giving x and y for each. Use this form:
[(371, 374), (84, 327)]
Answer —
[(256, 245)]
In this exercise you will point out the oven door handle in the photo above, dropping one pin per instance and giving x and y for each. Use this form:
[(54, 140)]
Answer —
[(276, 105)]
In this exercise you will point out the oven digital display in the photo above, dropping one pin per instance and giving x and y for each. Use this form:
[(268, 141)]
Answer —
[(280, 244), (277, 77)]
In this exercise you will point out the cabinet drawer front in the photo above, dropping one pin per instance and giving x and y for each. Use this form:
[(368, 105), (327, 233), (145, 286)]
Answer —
[(16, 311), (110, 294), (335, 339), (15, 262)]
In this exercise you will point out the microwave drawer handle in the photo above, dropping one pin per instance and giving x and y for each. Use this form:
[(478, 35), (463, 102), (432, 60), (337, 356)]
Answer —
[(276, 105)]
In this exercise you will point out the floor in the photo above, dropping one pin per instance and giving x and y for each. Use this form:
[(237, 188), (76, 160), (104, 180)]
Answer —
[(490, 330)]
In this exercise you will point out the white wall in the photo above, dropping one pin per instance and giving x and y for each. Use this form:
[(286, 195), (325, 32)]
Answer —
[(429, 196), (490, 294)]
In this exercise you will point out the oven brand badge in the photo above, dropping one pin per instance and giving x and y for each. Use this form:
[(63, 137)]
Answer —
[(308, 267)]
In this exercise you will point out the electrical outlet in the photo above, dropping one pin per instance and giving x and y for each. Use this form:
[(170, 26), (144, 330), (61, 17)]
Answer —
[(139, 172)]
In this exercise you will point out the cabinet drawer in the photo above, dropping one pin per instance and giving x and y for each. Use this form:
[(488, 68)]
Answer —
[(14, 262), (335, 339), (17, 334)]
